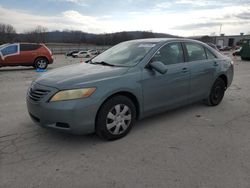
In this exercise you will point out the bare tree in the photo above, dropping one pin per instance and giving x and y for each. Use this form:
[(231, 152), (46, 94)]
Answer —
[(41, 34), (7, 33), (38, 35)]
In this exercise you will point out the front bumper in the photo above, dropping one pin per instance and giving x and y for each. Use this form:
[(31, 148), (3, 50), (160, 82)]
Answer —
[(51, 60), (73, 116), (230, 75)]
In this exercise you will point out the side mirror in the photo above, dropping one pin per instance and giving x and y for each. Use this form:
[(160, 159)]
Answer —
[(158, 66)]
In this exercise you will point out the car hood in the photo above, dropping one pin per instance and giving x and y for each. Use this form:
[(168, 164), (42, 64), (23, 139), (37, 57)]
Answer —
[(75, 76)]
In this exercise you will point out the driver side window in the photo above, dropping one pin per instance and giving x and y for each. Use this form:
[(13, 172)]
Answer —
[(170, 54)]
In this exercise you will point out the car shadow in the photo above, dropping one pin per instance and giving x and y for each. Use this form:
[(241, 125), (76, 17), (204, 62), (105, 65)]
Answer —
[(9, 69), (15, 69), (151, 120)]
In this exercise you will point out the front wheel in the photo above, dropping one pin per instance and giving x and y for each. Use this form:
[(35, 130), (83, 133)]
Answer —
[(115, 118), (217, 93), (41, 63)]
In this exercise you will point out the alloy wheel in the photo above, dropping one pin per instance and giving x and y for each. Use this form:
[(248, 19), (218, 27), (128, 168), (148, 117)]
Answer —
[(41, 64)]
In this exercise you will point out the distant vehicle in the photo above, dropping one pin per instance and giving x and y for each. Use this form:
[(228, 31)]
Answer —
[(236, 47), (245, 52), (212, 45), (82, 54), (218, 46), (129, 81), (25, 54), (72, 52), (94, 52), (237, 52), (225, 48)]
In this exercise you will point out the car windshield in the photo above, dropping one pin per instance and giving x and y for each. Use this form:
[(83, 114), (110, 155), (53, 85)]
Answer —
[(125, 54)]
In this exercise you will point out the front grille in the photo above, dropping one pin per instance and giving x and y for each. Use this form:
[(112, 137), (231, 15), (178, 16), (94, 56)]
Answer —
[(37, 94)]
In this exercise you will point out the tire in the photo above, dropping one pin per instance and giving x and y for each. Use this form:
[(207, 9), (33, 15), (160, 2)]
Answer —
[(115, 118), (217, 93), (41, 63)]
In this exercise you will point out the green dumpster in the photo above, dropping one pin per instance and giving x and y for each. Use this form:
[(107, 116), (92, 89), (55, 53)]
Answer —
[(245, 51)]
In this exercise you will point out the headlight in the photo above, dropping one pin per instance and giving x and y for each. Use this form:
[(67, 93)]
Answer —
[(72, 94)]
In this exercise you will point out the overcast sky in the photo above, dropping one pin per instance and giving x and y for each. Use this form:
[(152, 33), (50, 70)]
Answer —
[(177, 17)]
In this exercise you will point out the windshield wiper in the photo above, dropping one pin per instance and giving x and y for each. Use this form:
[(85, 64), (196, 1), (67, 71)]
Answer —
[(102, 63)]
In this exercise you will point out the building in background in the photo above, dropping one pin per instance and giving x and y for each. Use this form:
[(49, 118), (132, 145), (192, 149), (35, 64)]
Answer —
[(223, 40)]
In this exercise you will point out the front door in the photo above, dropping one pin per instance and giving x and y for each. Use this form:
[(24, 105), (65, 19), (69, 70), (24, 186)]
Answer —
[(169, 90)]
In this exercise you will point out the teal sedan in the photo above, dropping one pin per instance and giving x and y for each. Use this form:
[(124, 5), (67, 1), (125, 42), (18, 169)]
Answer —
[(129, 81)]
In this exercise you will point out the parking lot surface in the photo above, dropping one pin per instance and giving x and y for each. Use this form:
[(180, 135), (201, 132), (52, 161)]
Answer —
[(193, 146)]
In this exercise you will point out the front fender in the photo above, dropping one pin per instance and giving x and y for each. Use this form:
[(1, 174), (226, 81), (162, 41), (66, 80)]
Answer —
[(130, 84)]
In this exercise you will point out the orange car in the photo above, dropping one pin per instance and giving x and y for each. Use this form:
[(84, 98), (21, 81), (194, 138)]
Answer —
[(25, 54)]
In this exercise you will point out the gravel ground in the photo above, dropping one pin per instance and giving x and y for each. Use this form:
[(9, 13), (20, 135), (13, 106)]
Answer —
[(194, 146)]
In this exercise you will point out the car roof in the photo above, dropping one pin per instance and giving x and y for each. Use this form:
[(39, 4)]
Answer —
[(28, 43), (163, 40), (24, 43), (20, 43)]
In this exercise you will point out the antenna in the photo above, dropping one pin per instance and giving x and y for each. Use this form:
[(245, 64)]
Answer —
[(220, 28)]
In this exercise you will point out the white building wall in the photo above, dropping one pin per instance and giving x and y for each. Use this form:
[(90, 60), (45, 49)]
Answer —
[(224, 40)]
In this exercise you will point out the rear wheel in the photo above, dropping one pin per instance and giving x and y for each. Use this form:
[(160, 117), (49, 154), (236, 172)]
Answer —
[(41, 63), (115, 118), (217, 93)]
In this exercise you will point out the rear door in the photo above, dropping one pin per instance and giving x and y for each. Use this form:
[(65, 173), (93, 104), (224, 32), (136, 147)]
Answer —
[(169, 90), (10, 55), (202, 71), (28, 53)]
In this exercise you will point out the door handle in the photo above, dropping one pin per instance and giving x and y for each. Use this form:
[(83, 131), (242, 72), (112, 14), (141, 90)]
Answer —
[(184, 70), (216, 64)]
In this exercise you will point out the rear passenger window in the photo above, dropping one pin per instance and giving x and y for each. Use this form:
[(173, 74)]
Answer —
[(195, 52), (29, 47), (210, 55), (170, 54)]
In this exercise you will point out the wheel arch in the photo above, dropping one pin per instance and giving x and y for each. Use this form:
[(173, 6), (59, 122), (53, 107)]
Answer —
[(128, 94), (41, 57), (224, 78)]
